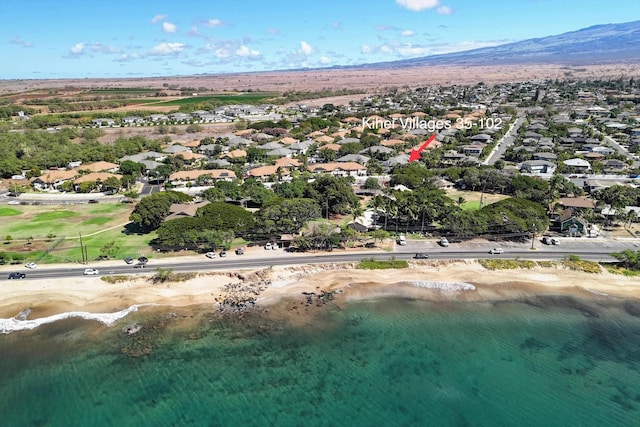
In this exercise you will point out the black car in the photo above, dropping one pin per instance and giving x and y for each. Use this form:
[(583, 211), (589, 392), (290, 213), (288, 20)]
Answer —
[(17, 275), (421, 256), (93, 201), (143, 260)]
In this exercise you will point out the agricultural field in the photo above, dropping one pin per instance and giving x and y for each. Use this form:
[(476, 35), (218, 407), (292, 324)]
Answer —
[(244, 98), (28, 232)]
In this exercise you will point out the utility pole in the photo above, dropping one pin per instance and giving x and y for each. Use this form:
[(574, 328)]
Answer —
[(533, 235), (82, 249)]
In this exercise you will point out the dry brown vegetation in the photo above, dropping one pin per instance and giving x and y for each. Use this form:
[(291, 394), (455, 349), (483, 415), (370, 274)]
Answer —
[(365, 79)]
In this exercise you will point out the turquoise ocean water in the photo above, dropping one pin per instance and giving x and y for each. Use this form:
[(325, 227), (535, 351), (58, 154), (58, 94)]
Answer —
[(549, 361)]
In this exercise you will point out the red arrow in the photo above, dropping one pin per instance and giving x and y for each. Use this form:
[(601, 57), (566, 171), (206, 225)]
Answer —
[(415, 154)]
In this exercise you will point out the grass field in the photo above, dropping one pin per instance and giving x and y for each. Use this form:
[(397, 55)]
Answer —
[(472, 199), (38, 222), (9, 212), (31, 228)]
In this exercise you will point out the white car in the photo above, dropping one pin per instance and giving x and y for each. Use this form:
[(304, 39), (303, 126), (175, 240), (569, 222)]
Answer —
[(496, 251), (268, 246), (13, 202), (31, 265), (210, 255), (90, 271)]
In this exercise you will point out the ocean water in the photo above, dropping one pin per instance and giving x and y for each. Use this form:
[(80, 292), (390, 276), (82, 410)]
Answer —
[(543, 361)]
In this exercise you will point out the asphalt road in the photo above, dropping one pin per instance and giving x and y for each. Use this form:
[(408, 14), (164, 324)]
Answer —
[(282, 258)]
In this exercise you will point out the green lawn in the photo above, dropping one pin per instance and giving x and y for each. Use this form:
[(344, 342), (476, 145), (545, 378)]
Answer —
[(9, 212), (127, 245), (40, 221)]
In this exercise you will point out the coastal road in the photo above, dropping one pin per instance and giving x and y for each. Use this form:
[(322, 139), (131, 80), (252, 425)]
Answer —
[(240, 262)]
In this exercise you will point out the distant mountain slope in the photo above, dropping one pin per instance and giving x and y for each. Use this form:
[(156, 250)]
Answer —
[(593, 45)]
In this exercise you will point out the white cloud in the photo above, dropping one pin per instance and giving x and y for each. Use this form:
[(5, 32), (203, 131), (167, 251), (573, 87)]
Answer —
[(215, 22), (167, 48), (99, 47), (325, 60), (366, 49), (337, 25), (77, 49), (409, 50), (222, 53), (158, 18), (408, 33), (127, 57), (244, 51), (418, 5), (168, 27), (444, 10), (273, 31), (17, 40), (305, 48)]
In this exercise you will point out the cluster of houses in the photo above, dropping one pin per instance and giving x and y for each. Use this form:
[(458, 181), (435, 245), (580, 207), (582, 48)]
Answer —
[(223, 114)]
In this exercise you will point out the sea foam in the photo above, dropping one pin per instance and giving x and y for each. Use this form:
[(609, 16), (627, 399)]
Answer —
[(15, 324), (442, 286)]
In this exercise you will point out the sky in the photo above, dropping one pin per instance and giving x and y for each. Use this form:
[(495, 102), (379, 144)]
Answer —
[(44, 39)]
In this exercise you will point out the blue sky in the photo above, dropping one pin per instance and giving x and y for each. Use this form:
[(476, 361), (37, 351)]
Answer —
[(141, 38)]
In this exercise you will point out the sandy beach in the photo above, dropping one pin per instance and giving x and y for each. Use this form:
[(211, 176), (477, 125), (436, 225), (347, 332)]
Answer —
[(459, 280)]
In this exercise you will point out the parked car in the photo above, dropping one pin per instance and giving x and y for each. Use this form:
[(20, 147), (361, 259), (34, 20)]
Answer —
[(143, 260), (93, 201), (31, 265), (267, 246), (17, 276), (13, 202), (421, 256), (240, 251), (210, 255), (222, 254), (128, 260), (90, 271), (444, 242), (547, 240), (496, 251)]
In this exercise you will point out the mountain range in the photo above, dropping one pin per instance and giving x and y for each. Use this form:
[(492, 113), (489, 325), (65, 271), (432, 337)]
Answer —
[(593, 45)]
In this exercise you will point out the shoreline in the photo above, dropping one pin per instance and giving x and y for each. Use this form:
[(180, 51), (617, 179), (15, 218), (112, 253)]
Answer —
[(464, 281)]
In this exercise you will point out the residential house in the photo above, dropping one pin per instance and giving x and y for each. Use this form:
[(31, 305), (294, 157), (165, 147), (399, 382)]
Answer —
[(266, 173), (339, 169), (97, 177), (538, 166), (205, 176), (52, 180), (577, 165), (98, 167), (473, 149), (185, 210), (132, 121)]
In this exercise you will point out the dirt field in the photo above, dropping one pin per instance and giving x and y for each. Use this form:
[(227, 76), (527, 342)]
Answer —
[(364, 79)]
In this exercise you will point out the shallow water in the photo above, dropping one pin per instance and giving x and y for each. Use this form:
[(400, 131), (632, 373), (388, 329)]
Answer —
[(551, 361)]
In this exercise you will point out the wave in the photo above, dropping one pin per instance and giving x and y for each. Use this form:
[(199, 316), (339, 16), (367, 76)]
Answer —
[(443, 286), (19, 323)]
